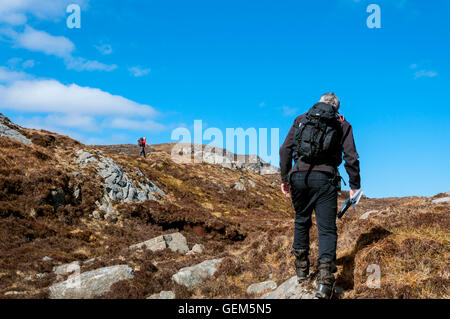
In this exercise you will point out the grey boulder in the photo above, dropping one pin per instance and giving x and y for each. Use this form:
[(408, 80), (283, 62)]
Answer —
[(92, 283), (197, 249), (239, 186), (196, 275), (290, 289), (163, 295), (175, 242), (261, 287)]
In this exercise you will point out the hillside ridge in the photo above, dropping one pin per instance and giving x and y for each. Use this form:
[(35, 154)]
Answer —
[(154, 228)]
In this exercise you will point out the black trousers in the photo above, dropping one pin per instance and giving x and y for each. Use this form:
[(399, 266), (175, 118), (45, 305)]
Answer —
[(142, 152), (319, 194)]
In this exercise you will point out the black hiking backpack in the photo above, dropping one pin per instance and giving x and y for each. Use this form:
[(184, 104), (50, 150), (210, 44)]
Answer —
[(316, 138)]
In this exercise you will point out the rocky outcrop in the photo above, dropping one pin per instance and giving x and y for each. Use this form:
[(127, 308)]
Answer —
[(90, 284), (261, 287), (7, 131), (196, 275), (175, 242), (219, 156), (290, 289), (441, 200), (118, 186)]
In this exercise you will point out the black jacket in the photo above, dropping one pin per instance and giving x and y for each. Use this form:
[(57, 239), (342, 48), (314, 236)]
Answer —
[(347, 147)]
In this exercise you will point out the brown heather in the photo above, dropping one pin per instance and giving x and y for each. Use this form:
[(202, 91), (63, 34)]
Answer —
[(252, 230)]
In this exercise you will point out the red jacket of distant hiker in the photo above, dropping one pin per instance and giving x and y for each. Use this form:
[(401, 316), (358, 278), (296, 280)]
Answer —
[(347, 147)]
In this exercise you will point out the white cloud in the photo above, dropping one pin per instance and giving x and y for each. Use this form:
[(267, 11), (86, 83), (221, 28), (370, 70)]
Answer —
[(104, 49), (135, 125), (62, 47), (81, 64), (15, 12), (13, 62), (8, 76), (137, 71), (41, 41), (16, 63), (13, 16), (8, 34), (289, 111), (421, 72), (28, 64), (425, 74), (71, 109), (60, 123), (52, 96)]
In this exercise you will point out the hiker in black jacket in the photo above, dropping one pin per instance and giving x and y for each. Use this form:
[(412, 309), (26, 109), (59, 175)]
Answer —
[(313, 183)]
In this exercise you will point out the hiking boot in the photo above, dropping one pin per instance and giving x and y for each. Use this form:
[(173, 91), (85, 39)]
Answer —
[(326, 278), (301, 264)]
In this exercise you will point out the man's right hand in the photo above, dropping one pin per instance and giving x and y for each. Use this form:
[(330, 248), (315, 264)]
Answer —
[(285, 188), (353, 192)]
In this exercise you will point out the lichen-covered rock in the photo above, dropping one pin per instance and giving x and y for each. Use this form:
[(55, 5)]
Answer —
[(196, 275), (239, 186), (186, 153), (197, 249), (290, 289), (367, 214), (175, 242), (118, 185), (260, 287), (6, 131), (66, 269), (36, 276), (441, 200), (154, 244), (163, 295), (92, 283)]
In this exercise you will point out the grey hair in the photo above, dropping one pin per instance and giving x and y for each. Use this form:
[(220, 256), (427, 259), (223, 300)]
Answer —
[(332, 99)]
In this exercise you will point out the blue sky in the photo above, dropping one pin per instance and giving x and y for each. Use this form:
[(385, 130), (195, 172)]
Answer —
[(144, 68)]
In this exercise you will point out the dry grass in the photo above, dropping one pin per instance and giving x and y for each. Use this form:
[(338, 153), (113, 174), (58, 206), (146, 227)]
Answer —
[(253, 230)]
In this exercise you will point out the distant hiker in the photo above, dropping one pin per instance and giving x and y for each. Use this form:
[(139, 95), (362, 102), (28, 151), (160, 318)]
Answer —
[(316, 141), (142, 142)]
